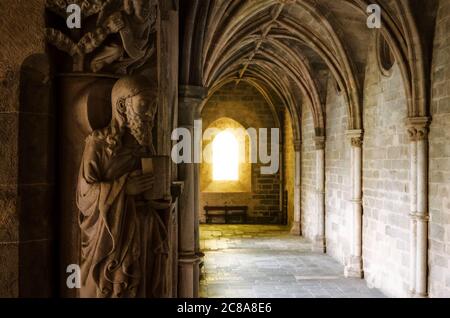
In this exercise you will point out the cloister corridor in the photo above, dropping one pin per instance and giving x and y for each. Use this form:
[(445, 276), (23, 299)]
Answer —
[(265, 261), (188, 149)]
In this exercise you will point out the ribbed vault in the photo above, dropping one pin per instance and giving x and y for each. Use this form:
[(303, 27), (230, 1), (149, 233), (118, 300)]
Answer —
[(288, 48)]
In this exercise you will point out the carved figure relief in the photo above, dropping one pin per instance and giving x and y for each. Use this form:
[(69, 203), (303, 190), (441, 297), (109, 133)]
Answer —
[(123, 229), (119, 41)]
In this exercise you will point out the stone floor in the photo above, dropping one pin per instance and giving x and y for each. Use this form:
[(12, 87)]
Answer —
[(245, 261)]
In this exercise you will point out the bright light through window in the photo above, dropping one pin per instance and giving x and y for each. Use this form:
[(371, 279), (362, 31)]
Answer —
[(225, 157)]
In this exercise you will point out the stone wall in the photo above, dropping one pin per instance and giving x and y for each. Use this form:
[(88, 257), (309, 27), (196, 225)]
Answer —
[(26, 178), (385, 180), (245, 105), (337, 177), (288, 167), (439, 229), (308, 176)]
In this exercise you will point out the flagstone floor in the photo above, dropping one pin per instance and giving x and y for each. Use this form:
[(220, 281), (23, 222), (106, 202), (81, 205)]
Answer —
[(245, 261)]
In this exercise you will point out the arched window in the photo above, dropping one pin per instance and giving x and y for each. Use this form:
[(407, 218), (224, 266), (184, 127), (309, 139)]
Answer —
[(225, 157)]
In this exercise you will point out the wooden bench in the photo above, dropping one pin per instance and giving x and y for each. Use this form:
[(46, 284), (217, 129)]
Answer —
[(226, 214)]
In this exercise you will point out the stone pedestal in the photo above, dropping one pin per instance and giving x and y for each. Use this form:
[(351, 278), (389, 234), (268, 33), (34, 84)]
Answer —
[(354, 267), (296, 228), (186, 277)]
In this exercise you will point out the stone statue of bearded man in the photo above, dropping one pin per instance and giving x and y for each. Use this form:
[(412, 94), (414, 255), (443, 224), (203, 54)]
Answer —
[(123, 235)]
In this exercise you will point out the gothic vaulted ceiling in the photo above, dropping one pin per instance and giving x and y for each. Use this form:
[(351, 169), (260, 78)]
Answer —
[(288, 48)]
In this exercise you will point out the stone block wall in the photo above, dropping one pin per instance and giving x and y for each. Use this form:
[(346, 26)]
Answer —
[(26, 153), (308, 176), (337, 177), (245, 105), (386, 168), (439, 174)]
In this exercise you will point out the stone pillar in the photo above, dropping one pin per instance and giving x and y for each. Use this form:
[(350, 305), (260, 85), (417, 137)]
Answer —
[(296, 226), (354, 267), (190, 98), (418, 132), (413, 208), (319, 239)]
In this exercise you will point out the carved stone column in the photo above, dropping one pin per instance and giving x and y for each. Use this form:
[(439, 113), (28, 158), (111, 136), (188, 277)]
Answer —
[(319, 239), (354, 267), (189, 100), (418, 133), (296, 226)]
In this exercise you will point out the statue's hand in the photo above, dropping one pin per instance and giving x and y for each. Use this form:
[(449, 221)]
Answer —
[(139, 183), (115, 23)]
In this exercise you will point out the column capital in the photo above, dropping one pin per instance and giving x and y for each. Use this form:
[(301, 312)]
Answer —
[(192, 92), (190, 99), (298, 145), (418, 128), (356, 137), (319, 142)]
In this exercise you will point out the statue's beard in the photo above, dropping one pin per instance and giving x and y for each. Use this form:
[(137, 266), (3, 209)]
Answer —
[(140, 129)]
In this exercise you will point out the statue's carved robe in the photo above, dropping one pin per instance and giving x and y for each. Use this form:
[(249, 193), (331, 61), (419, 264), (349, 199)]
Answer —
[(124, 241)]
